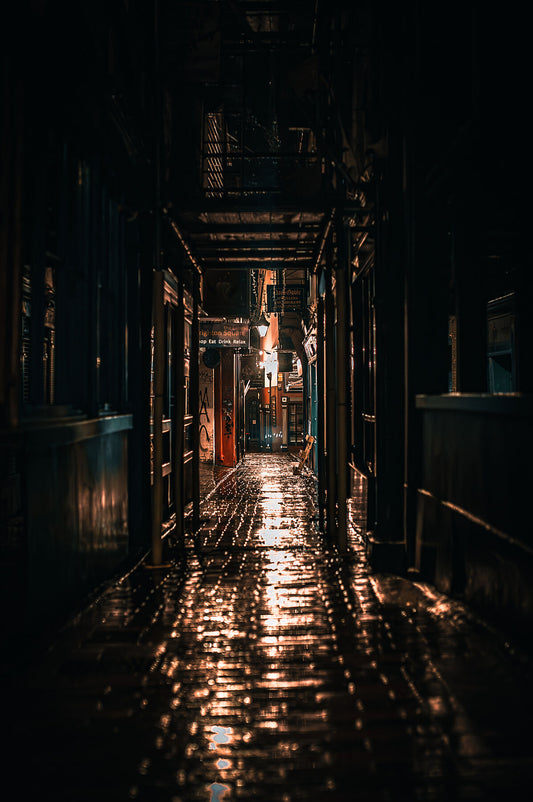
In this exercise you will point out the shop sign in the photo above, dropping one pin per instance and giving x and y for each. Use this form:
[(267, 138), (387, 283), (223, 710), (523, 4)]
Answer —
[(221, 334), (258, 380), (285, 361), (249, 366), (285, 297)]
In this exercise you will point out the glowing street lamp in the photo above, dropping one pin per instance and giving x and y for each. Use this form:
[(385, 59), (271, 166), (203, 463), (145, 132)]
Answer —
[(262, 325)]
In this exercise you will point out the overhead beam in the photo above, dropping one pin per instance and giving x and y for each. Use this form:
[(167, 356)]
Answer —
[(183, 241), (273, 251), (258, 256), (241, 227), (268, 202), (254, 256), (265, 264), (321, 245), (240, 244)]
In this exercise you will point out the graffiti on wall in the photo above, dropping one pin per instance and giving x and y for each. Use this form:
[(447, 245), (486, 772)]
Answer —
[(205, 439), (228, 417), (206, 414)]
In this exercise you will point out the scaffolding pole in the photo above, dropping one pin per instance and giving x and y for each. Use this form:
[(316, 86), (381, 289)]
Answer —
[(320, 412), (195, 408), (341, 396), (331, 412), (179, 395), (157, 435)]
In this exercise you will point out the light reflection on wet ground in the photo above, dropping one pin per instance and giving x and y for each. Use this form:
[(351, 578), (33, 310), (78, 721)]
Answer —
[(272, 670)]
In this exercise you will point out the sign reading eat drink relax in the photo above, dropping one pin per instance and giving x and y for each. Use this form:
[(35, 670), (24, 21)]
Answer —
[(221, 334)]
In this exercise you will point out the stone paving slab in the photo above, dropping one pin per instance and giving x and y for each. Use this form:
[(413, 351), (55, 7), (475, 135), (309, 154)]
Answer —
[(265, 667)]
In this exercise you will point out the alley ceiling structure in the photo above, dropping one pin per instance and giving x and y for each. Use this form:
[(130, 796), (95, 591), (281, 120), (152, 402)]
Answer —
[(260, 192)]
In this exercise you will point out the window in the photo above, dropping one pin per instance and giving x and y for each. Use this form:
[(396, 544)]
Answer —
[(501, 350), (296, 422), (73, 342)]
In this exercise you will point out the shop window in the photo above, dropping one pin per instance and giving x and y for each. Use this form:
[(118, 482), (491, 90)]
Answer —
[(296, 422), (501, 345)]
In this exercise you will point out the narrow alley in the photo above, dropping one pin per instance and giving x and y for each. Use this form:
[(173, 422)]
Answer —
[(257, 664), (266, 401)]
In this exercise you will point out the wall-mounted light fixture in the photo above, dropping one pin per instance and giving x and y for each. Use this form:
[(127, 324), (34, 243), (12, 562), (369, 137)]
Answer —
[(262, 325), (270, 362)]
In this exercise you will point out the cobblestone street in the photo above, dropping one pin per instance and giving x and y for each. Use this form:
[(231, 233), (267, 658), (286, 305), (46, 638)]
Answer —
[(263, 666)]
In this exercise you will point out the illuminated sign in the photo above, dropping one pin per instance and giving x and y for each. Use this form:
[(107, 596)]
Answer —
[(285, 297), (221, 334)]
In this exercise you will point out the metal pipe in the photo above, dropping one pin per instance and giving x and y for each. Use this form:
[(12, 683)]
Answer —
[(341, 397), (365, 267), (320, 428), (269, 376), (323, 241), (158, 318), (179, 407), (331, 411), (195, 391), (175, 228), (157, 424)]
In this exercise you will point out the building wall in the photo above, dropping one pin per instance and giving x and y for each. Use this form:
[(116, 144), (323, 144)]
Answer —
[(226, 411), (207, 414), (75, 509), (473, 502), (75, 352)]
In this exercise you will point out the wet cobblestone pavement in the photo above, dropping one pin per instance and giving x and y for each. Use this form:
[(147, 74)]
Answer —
[(267, 668)]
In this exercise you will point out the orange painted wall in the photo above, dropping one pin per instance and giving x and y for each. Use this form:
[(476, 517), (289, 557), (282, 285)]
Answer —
[(225, 410)]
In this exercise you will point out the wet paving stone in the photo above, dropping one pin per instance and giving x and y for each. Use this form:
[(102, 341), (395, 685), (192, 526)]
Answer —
[(266, 667)]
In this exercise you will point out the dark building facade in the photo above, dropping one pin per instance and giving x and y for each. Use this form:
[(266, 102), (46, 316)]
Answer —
[(167, 161)]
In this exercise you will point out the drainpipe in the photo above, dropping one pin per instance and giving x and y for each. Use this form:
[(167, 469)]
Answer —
[(195, 392), (158, 317), (342, 417), (158, 389), (320, 429), (331, 411), (179, 413), (269, 377)]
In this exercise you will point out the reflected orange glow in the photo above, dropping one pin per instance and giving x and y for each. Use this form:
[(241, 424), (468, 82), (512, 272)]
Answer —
[(218, 791), (277, 673), (221, 735)]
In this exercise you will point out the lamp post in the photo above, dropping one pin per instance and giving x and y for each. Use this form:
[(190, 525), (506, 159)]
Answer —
[(262, 325), (269, 377), (262, 328)]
